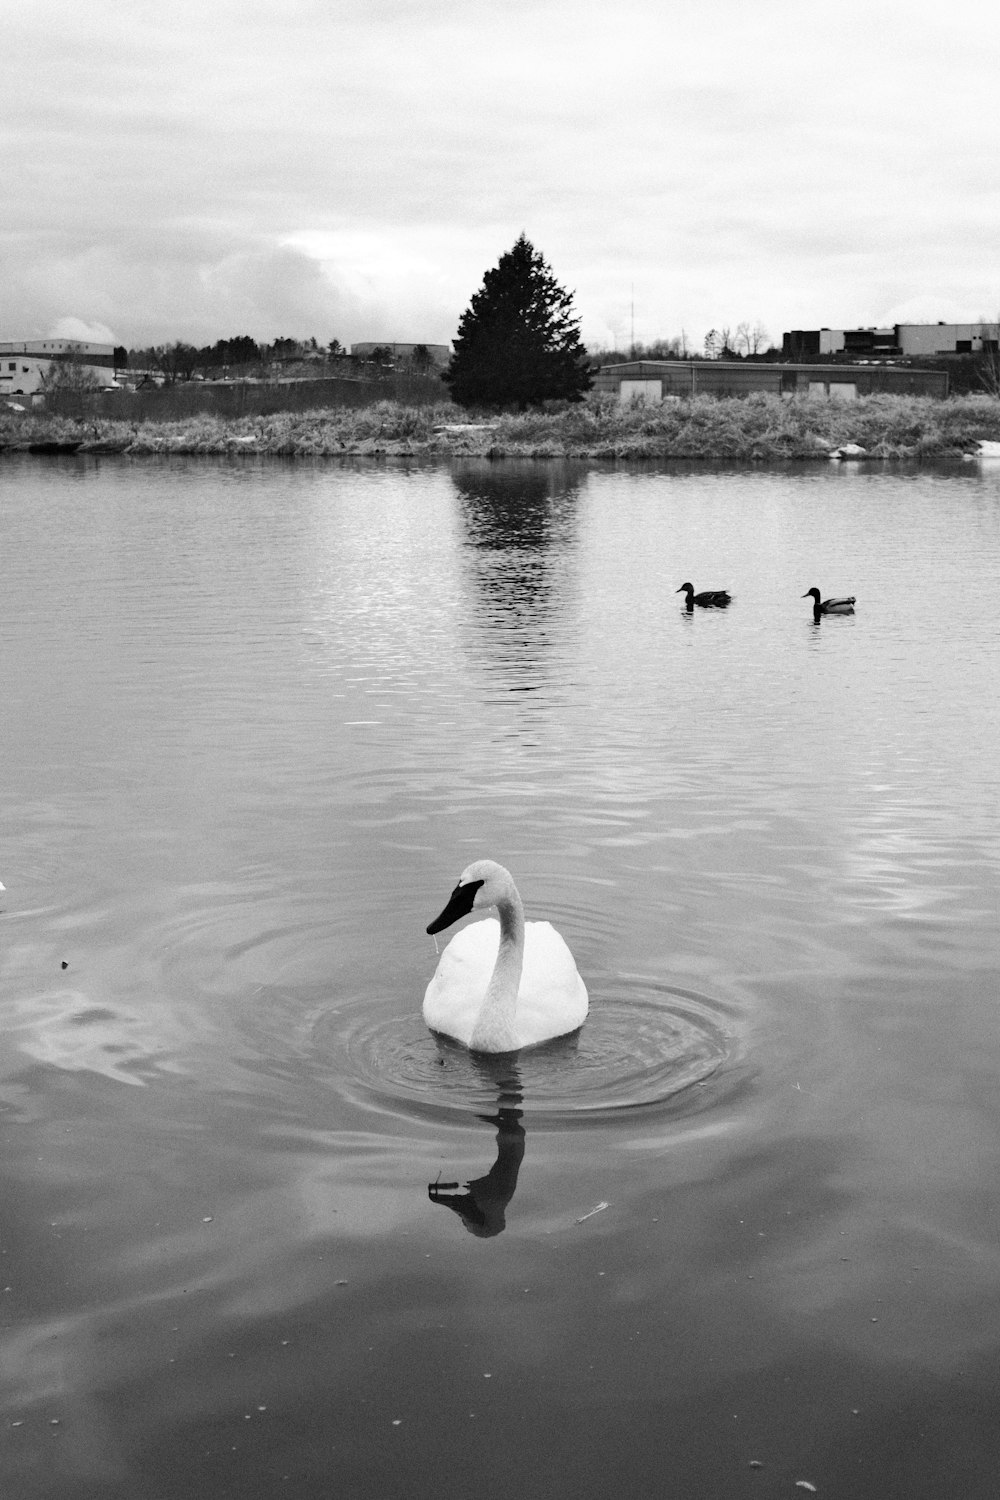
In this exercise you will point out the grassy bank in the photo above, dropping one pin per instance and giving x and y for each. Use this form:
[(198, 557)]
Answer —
[(759, 428)]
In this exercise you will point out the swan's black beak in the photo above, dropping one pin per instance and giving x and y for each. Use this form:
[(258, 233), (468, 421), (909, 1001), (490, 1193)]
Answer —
[(459, 905)]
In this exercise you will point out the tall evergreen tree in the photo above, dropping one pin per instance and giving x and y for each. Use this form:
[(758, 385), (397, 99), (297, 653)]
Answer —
[(518, 341)]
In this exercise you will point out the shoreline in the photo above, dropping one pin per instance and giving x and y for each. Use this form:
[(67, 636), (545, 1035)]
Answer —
[(751, 429)]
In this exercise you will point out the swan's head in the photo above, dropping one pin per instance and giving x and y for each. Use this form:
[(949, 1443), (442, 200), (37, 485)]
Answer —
[(811, 594), (483, 883)]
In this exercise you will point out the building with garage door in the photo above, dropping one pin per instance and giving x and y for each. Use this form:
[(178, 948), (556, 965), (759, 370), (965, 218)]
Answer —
[(656, 379)]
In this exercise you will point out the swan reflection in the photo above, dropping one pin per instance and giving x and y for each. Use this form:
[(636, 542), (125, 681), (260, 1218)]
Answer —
[(482, 1204)]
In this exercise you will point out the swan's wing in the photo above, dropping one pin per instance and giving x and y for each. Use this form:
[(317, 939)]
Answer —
[(552, 999), (455, 993)]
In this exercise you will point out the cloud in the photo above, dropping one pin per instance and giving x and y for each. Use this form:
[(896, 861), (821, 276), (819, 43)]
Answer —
[(180, 284), (933, 307), (284, 166), (76, 328)]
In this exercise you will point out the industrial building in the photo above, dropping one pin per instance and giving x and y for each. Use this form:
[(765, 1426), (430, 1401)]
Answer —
[(25, 363), (653, 379), (900, 341)]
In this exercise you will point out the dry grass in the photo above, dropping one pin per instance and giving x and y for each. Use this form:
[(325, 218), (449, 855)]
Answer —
[(758, 428)]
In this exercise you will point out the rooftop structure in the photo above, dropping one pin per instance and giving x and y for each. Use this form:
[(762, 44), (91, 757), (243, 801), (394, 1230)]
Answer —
[(900, 341)]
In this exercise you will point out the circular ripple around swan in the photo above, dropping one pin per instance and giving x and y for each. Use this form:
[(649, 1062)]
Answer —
[(644, 1045)]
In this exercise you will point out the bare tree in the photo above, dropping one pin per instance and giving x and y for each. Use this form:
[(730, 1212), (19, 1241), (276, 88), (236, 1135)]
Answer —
[(175, 361), (71, 373), (751, 339), (759, 338), (658, 349)]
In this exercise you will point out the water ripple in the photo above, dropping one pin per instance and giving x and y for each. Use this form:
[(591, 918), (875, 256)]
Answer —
[(645, 1046)]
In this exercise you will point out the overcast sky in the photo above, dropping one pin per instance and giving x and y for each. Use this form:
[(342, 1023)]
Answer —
[(350, 168)]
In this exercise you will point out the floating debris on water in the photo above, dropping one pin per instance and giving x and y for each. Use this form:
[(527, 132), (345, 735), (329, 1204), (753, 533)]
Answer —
[(599, 1209)]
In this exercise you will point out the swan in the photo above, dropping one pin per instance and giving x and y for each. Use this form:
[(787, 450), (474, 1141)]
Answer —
[(708, 599), (501, 985), (843, 606)]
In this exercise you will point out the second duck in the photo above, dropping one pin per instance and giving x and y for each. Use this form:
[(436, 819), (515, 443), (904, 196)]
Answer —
[(843, 606)]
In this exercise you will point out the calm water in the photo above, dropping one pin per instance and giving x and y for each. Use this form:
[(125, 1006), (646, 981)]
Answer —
[(261, 1234)]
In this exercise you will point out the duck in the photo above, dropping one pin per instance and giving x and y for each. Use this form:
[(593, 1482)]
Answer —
[(843, 606), (501, 985), (708, 599)]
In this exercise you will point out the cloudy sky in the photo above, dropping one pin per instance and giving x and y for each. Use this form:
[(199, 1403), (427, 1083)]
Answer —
[(350, 168)]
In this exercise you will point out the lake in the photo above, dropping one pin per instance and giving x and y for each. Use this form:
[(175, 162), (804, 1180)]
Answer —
[(262, 1233)]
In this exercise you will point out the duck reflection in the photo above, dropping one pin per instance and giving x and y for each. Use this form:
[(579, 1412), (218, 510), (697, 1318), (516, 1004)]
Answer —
[(482, 1205)]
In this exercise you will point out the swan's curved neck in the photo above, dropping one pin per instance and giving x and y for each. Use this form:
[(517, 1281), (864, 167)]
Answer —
[(494, 1028)]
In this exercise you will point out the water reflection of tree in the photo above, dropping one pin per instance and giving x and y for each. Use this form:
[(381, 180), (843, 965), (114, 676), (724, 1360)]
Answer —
[(482, 1205), (520, 521)]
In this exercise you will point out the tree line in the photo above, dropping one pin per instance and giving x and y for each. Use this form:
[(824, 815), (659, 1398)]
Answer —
[(518, 345), (243, 356), (746, 341)]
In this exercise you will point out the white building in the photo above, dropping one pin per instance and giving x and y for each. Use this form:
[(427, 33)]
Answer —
[(25, 363), (946, 338)]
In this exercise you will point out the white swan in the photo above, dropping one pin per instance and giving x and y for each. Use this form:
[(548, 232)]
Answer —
[(500, 986)]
